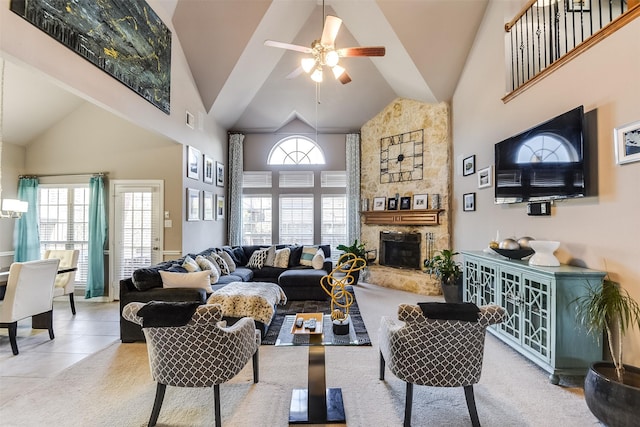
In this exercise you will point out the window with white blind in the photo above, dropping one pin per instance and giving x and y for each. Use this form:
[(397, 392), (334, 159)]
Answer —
[(64, 221), (256, 220), (333, 230), (296, 219)]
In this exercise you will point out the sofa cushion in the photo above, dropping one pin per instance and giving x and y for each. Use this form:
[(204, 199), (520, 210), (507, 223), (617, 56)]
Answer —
[(206, 264), (268, 273), (146, 278), (294, 257), (282, 258), (190, 264), (271, 256), (237, 254), (242, 274), (198, 279), (308, 252), (258, 258), (227, 258), (222, 264), (318, 259)]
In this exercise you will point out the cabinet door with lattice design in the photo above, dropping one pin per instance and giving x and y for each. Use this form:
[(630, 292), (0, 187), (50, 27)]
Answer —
[(509, 297), (536, 315), (480, 282)]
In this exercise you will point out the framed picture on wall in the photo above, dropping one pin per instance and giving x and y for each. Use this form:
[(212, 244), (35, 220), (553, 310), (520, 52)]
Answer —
[(193, 163), (485, 177), (420, 201), (405, 203), (193, 204), (469, 165), (219, 174), (378, 203), (627, 143), (392, 204), (207, 206), (469, 202), (207, 168), (219, 207)]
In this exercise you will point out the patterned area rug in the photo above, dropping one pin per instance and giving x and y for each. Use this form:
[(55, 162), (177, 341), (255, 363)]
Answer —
[(293, 307)]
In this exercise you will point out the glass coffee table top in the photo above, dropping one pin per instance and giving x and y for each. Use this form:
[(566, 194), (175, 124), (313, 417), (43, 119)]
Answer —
[(327, 338)]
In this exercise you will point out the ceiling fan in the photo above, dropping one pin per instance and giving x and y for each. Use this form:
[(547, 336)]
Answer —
[(324, 53)]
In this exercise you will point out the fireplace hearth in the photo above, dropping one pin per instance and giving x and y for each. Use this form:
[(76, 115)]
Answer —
[(400, 250)]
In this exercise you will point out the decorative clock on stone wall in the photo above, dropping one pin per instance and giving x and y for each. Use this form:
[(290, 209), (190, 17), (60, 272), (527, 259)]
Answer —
[(401, 157)]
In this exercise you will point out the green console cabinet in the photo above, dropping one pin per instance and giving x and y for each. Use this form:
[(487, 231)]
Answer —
[(541, 319)]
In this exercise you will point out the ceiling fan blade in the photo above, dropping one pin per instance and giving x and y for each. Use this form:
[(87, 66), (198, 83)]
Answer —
[(330, 31), (295, 73), (362, 51), (344, 78), (288, 46)]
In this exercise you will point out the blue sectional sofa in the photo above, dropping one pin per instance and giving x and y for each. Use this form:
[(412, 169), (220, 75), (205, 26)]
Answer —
[(299, 282)]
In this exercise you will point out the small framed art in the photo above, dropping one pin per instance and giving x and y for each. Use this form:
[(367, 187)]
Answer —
[(485, 177), (392, 204), (405, 203), (193, 204), (219, 174), (193, 163), (219, 207), (627, 143), (420, 201), (469, 165), (469, 202), (578, 5), (207, 206), (207, 168), (378, 203)]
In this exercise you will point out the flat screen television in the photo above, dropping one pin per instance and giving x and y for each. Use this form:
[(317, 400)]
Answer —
[(546, 162)]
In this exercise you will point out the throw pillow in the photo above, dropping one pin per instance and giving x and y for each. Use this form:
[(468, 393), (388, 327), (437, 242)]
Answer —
[(206, 264), (146, 278), (318, 260), (214, 263), (190, 264), (199, 279), (224, 268), (271, 256), (227, 258), (282, 258), (308, 252), (258, 258), (294, 258)]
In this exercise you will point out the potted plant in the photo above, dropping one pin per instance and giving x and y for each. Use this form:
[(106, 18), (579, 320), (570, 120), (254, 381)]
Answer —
[(611, 389), (358, 250), (448, 271)]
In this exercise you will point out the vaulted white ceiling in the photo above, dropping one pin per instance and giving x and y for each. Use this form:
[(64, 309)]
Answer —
[(243, 83)]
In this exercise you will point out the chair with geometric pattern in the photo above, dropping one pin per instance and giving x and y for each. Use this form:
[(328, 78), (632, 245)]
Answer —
[(435, 352), (202, 353)]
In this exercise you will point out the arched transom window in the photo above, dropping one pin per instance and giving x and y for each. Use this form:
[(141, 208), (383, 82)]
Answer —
[(296, 150)]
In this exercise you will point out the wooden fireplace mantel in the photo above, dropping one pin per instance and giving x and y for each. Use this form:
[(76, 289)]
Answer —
[(403, 217)]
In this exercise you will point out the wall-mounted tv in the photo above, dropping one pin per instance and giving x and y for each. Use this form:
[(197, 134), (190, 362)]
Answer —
[(546, 162)]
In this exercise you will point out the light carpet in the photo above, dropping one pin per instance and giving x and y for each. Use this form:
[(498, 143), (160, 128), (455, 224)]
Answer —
[(114, 388)]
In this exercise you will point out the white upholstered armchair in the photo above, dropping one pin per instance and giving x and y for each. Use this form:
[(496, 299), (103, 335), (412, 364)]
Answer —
[(437, 353), (65, 282), (202, 353)]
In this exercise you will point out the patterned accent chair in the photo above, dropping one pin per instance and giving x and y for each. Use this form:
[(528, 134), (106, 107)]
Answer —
[(203, 353), (437, 353)]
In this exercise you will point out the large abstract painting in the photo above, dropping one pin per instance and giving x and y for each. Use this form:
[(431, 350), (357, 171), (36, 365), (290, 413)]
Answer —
[(125, 38)]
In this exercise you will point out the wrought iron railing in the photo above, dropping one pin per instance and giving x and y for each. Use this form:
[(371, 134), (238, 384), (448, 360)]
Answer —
[(546, 31)]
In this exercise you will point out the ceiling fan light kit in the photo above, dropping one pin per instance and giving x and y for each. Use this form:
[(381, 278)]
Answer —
[(323, 53)]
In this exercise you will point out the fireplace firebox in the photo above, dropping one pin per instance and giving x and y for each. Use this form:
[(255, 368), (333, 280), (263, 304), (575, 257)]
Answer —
[(401, 250)]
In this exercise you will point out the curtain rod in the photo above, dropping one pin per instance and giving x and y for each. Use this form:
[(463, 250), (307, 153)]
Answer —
[(65, 174)]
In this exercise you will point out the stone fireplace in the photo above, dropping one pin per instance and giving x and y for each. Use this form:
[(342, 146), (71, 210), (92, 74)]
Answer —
[(401, 250), (399, 117)]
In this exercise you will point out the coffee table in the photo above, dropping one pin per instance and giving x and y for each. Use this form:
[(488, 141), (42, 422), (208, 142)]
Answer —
[(316, 404)]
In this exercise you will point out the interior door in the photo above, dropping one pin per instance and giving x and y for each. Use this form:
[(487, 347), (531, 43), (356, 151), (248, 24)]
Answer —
[(136, 233)]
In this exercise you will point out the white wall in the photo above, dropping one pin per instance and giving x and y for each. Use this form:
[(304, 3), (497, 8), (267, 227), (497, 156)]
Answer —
[(598, 232)]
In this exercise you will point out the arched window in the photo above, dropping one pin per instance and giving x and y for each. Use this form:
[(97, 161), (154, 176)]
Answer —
[(296, 150), (546, 148)]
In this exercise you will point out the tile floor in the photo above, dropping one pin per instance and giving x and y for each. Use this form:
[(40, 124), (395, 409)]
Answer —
[(94, 327)]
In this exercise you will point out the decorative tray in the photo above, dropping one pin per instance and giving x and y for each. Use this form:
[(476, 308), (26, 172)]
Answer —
[(305, 317), (514, 253)]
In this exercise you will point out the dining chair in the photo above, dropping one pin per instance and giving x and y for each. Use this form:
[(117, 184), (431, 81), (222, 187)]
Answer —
[(65, 282), (29, 293)]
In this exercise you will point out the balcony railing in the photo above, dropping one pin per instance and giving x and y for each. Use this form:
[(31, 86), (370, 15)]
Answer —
[(547, 33)]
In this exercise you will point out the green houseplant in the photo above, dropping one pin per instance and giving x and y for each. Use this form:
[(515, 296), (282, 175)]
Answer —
[(359, 251), (612, 389), (449, 271)]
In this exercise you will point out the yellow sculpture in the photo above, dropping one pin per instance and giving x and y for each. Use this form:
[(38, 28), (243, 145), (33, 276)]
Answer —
[(335, 286)]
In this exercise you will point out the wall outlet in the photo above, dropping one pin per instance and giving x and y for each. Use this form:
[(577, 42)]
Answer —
[(539, 209)]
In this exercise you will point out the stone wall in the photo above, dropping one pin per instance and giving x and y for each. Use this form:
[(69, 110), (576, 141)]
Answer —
[(401, 116)]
